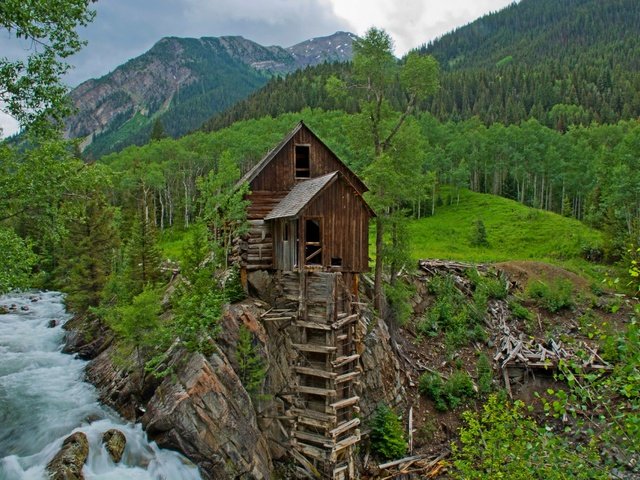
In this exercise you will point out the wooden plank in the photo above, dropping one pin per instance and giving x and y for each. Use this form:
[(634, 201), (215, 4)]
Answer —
[(310, 437), (344, 321), (347, 376), (340, 429), (340, 361), (347, 402), (305, 412), (325, 392), (315, 372), (342, 444), (317, 326), (311, 451), (312, 422), (309, 347)]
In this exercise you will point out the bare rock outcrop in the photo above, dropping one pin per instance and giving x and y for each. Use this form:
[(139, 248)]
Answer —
[(205, 412), (115, 443), (68, 462)]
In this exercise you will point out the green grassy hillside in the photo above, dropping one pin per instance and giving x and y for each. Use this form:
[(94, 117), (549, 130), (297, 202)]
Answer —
[(513, 232)]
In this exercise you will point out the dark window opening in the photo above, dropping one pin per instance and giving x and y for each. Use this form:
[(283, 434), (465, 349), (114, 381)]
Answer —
[(336, 261), (303, 162), (312, 243), (285, 233)]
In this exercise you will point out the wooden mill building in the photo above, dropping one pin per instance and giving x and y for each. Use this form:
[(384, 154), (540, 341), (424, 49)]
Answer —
[(309, 228)]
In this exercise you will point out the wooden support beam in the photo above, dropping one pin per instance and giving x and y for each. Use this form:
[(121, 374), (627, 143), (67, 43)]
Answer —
[(317, 326), (325, 392), (344, 321), (311, 437), (303, 412), (347, 402), (347, 376), (309, 347), (344, 427), (315, 372), (340, 361), (347, 442), (276, 319), (311, 451)]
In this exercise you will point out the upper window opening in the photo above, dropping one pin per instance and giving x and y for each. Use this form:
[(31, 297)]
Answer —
[(303, 163)]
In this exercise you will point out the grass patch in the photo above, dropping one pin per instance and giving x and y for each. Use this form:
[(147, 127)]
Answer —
[(513, 232), (173, 243)]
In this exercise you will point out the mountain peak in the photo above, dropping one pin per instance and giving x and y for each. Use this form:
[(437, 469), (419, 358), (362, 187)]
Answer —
[(332, 48)]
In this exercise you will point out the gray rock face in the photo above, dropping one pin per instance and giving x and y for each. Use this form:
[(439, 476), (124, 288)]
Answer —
[(115, 442), (205, 412), (68, 462)]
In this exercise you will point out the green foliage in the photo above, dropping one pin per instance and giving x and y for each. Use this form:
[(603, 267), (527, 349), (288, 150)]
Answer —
[(137, 322), (387, 435), (87, 254), (252, 369), (461, 320), (552, 297), (501, 441), (449, 394), (399, 295), (17, 261), (32, 89), (484, 372)]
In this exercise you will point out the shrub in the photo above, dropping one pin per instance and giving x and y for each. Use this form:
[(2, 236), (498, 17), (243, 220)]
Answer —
[(448, 394), (501, 441), (552, 297), (387, 434)]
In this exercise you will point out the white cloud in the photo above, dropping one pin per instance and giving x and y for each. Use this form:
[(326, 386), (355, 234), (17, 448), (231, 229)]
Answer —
[(413, 22), (8, 125)]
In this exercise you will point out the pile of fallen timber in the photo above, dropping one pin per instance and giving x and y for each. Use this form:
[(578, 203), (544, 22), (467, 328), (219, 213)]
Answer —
[(514, 349), (413, 467)]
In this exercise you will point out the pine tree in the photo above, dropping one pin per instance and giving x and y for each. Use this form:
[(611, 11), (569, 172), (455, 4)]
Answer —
[(87, 255), (250, 363), (142, 254)]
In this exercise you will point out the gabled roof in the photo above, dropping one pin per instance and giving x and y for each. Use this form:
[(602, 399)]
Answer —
[(258, 167), (300, 196)]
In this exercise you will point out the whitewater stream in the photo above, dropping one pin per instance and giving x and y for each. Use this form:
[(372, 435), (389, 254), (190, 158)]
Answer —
[(43, 399)]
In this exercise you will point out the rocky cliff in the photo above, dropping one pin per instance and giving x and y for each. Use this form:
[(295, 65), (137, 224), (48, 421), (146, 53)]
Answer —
[(202, 408)]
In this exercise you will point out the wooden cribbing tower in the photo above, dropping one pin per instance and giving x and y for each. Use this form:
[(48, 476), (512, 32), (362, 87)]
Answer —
[(325, 428)]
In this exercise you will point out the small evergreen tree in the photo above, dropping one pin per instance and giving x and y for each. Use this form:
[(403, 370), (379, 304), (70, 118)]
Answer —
[(479, 237), (142, 254), (387, 434), (250, 364)]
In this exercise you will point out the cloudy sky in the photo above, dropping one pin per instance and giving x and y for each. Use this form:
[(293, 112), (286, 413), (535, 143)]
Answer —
[(124, 29)]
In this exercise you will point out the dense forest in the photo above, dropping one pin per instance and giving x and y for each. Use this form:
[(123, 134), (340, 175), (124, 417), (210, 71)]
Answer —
[(564, 64)]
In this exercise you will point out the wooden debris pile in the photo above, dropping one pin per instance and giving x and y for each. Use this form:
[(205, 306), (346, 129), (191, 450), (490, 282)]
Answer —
[(416, 466)]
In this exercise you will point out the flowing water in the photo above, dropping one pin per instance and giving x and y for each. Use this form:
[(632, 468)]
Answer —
[(43, 399)]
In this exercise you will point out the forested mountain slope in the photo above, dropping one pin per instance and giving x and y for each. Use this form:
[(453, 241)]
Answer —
[(181, 82), (562, 63)]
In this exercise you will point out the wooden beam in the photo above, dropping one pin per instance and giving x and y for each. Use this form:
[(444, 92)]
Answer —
[(311, 437), (317, 326), (339, 430), (309, 347), (315, 372), (311, 451), (325, 392), (303, 412), (347, 402), (347, 376), (344, 321), (340, 361)]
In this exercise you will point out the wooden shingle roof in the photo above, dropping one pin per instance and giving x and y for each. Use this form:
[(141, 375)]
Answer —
[(300, 196)]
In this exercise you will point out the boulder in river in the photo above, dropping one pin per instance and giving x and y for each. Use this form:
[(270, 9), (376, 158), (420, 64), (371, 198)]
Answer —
[(52, 323), (4, 309), (68, 462), (114, 441)]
